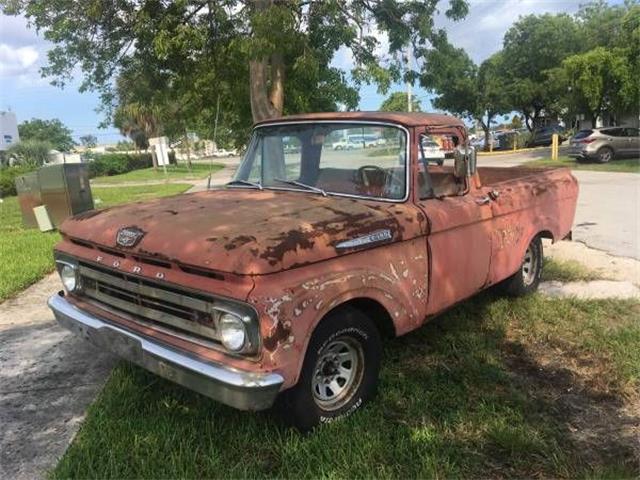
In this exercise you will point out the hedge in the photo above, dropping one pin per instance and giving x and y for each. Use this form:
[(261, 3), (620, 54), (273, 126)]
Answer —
[(107, 164)]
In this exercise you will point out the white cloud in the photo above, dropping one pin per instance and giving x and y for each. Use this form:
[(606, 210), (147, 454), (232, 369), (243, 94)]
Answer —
[(17, 60)]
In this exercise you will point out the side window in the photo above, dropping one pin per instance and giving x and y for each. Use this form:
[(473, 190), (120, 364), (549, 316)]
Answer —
[(435, 178), (614, 132), (632, 132)]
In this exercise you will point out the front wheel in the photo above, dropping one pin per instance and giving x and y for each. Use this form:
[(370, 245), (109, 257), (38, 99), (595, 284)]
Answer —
[(340, 370), (527, 278)]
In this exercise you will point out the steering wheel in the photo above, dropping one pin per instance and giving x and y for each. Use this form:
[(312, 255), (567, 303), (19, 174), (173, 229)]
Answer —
[(368, 174)]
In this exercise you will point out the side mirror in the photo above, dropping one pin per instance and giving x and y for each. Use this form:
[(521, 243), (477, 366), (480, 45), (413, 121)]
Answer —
[(464, 161)]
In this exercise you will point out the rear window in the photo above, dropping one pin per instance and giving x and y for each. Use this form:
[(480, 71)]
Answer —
[(583, 134)]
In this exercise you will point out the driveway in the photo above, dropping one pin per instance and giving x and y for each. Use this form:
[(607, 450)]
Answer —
[(48, 378), (608, 214)]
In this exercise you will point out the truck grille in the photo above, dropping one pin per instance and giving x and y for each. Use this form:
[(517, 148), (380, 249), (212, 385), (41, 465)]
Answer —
[(160, 305)]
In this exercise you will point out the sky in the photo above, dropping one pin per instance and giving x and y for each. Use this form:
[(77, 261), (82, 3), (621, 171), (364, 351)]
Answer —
[(23, 52)]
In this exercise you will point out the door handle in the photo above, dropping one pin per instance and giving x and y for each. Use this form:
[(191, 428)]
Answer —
[(483, 200), (494, 194)]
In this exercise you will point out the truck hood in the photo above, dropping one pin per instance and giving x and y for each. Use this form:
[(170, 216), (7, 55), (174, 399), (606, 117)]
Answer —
[(246, 231)]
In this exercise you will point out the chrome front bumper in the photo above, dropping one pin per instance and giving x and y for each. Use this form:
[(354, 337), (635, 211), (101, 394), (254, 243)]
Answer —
[(237, 388)]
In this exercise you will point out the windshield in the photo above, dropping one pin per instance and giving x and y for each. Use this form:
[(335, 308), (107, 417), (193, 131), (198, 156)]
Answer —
[(366, 160)]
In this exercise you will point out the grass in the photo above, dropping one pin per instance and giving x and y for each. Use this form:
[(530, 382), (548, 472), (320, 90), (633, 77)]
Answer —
[(629, 165), (26, 253), (174, 172), (528, 387), (567, 271)]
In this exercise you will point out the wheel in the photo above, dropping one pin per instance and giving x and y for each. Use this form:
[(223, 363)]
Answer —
[(527, 278), (339, 373), (604, 155)]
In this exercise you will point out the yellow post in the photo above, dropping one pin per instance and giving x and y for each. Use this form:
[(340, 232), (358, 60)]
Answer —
[(554, 146), (515, 142)]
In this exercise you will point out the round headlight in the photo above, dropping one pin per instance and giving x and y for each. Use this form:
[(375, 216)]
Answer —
[(68, 277), (232, 332)]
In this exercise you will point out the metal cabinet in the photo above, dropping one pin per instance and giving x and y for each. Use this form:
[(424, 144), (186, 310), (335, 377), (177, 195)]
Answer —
[(64, 189)]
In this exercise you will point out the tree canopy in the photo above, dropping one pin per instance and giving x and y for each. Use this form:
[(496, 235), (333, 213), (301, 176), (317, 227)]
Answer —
[(259, 58), (53, 132), (398, 102)]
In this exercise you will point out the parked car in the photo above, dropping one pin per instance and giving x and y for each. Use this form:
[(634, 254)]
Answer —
[(431, 151), (605, 144), (221, 153), (543, 136), (287, 286), (340, 144)]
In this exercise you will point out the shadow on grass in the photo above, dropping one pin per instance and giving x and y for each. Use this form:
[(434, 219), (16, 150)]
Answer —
[(458, 397)]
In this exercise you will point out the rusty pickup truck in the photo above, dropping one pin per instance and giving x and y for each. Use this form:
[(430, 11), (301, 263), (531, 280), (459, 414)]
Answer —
[(283, 283)]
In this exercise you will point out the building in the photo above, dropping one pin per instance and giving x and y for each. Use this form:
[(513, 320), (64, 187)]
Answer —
[(8, 130)]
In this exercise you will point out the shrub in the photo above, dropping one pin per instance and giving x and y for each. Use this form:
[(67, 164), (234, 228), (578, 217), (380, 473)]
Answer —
[(8, 179), (107, 164), (31, 153)]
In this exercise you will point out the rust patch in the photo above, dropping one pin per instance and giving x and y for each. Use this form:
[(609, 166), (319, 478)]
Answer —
[(89, 214)]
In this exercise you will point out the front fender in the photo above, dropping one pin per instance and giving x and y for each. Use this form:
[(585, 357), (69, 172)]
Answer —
[(291, 304)]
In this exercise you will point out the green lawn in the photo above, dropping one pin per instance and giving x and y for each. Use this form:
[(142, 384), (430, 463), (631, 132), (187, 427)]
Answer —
[(174, 172), (26, 253), (567, 271), (622, 165), (531, 387)]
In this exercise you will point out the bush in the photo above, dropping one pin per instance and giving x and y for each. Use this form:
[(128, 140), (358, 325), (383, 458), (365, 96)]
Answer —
[(8, 179), (108, 164), (31, 153)]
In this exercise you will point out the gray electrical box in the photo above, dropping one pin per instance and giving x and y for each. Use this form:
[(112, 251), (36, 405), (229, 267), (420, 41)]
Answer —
[(28, 190), (63, 188)]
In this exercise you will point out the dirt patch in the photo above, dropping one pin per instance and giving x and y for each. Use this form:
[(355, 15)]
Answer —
[(603, 425), (607, 266)]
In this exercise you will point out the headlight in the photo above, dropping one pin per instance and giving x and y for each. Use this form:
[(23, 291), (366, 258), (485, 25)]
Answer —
[(233, 333), (68, 277)]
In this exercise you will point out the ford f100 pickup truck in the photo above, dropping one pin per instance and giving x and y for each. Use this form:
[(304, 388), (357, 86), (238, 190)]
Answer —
[(284, 282)]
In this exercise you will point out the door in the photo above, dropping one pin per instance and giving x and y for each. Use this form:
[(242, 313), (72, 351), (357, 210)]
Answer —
[(633, 142), (459, 238), (616, 140)]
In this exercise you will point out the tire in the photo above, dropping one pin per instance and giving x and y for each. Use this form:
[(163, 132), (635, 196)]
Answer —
[(347, 332), (527, 278), (604, 155)]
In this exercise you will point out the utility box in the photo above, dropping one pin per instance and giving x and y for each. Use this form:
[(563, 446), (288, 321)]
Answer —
[(28, 190), (64, 189)]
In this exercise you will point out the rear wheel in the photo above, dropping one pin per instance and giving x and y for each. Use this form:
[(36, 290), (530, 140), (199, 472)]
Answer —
[(605, 155), (340, 370), (527, 278)]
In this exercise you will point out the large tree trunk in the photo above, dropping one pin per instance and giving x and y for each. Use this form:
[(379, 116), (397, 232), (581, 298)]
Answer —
[(266, 81)]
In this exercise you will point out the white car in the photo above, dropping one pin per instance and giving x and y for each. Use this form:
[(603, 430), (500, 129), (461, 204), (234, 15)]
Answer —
[(221, 152), (340, 145)]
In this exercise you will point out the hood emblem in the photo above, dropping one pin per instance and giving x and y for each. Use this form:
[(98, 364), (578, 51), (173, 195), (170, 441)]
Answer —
[(129, 236), (373, 237)]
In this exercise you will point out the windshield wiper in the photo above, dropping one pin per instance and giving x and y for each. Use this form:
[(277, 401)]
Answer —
[(303, 185), (245, 183)]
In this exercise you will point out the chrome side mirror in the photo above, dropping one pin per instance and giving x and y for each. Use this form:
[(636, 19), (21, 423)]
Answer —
[(464, 161)]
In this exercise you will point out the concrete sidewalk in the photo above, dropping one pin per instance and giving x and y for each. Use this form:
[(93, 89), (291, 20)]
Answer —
[(48, 378)]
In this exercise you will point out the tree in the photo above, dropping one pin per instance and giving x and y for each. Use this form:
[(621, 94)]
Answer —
[(596, 81), (533, 45), (52, 131), (262, 58), (32, 153), (516, 122), (463, 88), (397, 102), (89, 140)]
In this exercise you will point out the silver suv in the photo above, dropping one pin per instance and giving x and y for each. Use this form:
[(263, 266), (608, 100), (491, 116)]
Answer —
[(605, 144)]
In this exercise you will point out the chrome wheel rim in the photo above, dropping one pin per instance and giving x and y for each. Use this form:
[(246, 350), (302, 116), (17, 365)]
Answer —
[(529, 266), (605, 155), (338, 373)]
